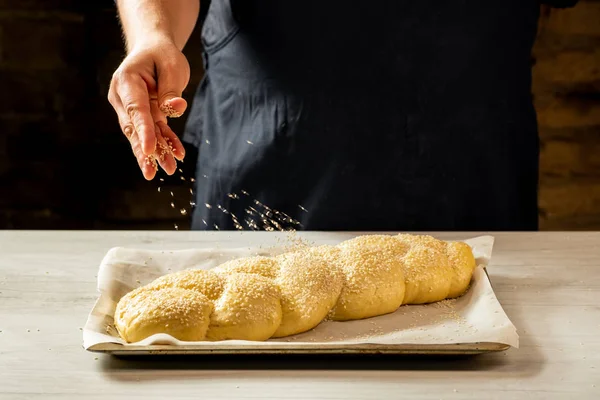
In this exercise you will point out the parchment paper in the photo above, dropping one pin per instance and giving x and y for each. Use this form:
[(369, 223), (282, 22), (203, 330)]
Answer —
[(475, 317)]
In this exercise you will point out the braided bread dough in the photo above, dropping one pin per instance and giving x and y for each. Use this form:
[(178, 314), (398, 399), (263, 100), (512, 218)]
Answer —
[(257, 298)]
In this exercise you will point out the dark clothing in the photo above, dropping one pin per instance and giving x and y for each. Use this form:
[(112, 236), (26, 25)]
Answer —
[(373, 116)]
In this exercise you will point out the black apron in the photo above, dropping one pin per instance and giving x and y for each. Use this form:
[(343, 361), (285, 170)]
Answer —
[(366, 116)]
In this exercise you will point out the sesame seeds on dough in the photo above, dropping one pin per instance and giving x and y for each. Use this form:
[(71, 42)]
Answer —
[(373, 277), (256, 298), (428, 275), (206, 282), (463, 263), (422, 240), (260, 265), (310, 286), (184, 314), (249, 309)]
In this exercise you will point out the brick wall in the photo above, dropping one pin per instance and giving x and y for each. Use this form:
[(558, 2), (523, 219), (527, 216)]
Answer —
[(64, 163), (567, 93)]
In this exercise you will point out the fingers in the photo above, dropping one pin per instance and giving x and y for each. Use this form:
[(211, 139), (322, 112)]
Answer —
[(175, 146), (171, 138), (132, 92), (172, 79), (164, 153), (173, 107), (164, 148), (146, 163)]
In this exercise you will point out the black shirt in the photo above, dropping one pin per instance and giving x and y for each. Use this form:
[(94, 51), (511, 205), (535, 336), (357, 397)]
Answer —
[(372, 116)]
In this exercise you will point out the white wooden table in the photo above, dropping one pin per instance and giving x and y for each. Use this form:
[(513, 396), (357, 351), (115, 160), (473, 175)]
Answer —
[(548, 283)]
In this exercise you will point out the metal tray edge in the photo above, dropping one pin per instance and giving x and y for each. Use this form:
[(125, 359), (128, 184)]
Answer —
[(317, 349)]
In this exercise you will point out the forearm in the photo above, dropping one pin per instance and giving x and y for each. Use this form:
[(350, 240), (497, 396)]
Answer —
[(145, 19)]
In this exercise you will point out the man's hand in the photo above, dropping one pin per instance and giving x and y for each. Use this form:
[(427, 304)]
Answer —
[(144, 91), (147, 87)]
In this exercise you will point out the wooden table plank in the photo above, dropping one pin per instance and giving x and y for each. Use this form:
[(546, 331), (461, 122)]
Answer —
[(548, 283)]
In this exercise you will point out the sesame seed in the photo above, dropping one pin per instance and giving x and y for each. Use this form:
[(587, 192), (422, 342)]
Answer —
[(307, 274)]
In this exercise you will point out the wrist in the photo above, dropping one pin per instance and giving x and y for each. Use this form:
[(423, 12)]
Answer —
[(149, 39)]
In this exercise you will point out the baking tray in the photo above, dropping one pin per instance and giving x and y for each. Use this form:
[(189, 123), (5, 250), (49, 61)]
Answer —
[(304, 349), (128, 267)]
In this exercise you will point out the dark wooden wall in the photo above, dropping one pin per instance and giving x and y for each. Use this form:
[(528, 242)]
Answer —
[(65, 165), (567, 90)]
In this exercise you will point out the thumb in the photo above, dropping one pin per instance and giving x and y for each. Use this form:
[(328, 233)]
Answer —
[(169, 94)]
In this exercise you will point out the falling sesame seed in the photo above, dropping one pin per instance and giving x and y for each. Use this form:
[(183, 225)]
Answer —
[(208, 205), (249, 142), (159, 188), (172, 205), (183, 211), (302, 208), (192, 180), (172, 194), (180, 170), (161, 179), (176, 227), (207, 141)]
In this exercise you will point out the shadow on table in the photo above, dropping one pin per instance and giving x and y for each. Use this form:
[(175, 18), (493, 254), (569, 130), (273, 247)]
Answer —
[(305, 362), (524, 362)]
